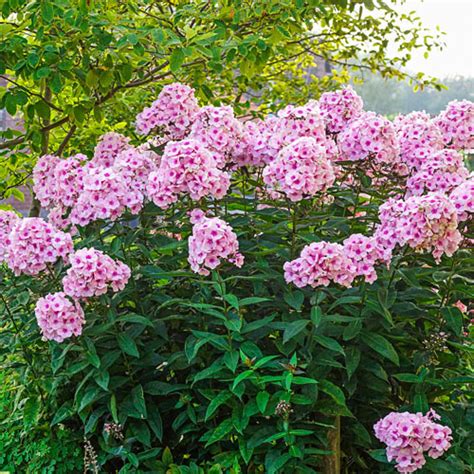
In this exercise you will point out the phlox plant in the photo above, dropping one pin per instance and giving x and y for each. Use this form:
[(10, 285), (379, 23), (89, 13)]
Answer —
[(280, 294)]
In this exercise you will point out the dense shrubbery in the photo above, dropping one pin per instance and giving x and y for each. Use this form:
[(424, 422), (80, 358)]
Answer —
[(254, 297)]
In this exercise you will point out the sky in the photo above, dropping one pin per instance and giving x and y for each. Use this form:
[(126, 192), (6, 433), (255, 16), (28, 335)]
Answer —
[(456, 19)]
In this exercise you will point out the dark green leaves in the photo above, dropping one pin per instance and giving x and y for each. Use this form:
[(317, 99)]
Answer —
[(380, 345)]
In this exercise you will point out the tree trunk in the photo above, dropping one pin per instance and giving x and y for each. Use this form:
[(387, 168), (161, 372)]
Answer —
[(332, 462)]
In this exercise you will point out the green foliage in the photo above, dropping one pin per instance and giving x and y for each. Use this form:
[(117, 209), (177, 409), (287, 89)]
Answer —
[(76, 69), (239, 372), (27, 446)]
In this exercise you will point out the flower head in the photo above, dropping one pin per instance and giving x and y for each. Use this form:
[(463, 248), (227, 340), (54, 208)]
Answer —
[(58, 317)]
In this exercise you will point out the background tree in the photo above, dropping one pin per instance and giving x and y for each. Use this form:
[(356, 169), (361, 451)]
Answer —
[(75, 69)]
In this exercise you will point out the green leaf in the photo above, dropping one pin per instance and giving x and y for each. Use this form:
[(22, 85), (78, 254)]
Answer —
[(252, 300), (379, 344), (176, 59), (454, 319), (295, 299), (31, 411), (262, 401), (232, 300), (293, 329), (329, 343), (127, 344), (155, 421), (91, 353), (379, 455), (333, 391), (220, 432), (135, 318), (352, 330), (215, 403), (352, 360), (241, 377), (103, 379), (316, 316), (410, 378), (138, 399)]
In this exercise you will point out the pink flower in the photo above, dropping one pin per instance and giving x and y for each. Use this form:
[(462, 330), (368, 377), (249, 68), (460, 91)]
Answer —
[(339, 108), (44, 185), (463, 199), (369, 136), (457, 124), (419, 138), (58, 317), (409, 436), (461, 306), (33, 244), (442, 171), (108, 148), (218, 130), (8, 220), (301, 170), (58, 181), (297, 122), (212, 240), (107, 194), (365, 253), (92, 273), (425, 223), (319, 264), (172, 114), (186, 167), (253, 149)]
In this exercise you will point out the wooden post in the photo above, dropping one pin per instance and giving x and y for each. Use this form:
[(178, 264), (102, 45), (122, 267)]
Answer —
[(332, 462)]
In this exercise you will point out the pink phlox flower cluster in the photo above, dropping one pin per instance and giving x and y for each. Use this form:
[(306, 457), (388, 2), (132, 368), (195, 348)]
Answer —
[(295, 122), (408, 436), (253, 149), (33, 244), (57, 181), (302, 169), (212, 241), (419, 138), (441, 172), (186, 167), (44, 185), (387, 233), (457, 124), (369, 135), (365, 252), (134, 166), (219, 130), (107, 149), (58, 317), (8, 220), (319, 264), (339, 108), (106, 195), (426, 223), (171, 114), (463, 198), (92, 273)]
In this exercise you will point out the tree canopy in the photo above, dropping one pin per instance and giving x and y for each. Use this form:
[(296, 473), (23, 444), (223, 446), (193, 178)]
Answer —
[(75, 69)]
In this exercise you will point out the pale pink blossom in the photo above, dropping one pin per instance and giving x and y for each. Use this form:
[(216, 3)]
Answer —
[(58, 317)]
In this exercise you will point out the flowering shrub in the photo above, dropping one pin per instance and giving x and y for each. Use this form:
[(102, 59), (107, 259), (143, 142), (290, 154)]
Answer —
[(230, 296)]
